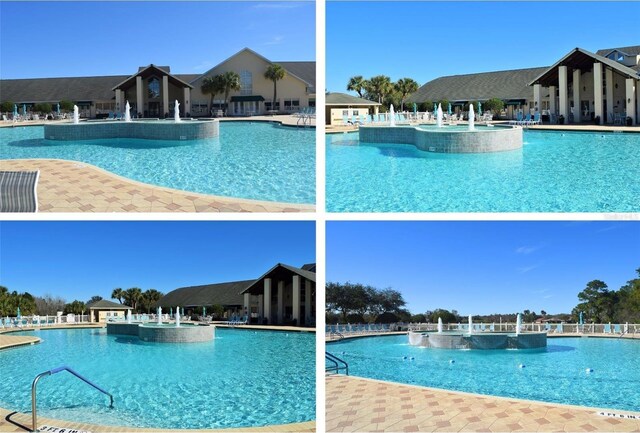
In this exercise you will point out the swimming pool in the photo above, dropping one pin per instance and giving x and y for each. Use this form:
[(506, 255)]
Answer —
[(554, 374), (253, 160), (553, 172), (242, 378)]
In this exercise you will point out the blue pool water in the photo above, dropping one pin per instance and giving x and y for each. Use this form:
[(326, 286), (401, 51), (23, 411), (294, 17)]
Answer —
[(260, 161), (242, 378), (555, 374), (554, 172)]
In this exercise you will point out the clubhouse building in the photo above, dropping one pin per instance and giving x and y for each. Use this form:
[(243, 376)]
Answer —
[(152, 90), (581, 87), (284, 295)]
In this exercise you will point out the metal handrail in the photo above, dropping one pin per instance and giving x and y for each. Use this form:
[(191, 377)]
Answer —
[(34, 416), (336, 361)]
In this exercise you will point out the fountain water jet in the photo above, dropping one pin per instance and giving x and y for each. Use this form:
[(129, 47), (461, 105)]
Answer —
[(176, 111), (76, 114), (470, 324), (392, 116), (127, 112), (129, 316), (439, 325), (159, 315), (439, 116), (518, 324), (178, 317), (472, 118)]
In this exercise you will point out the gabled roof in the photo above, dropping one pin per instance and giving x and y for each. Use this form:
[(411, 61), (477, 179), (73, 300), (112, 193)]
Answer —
[(512, 84), (278, 271), (209, 294), (311, 267), (633, 50), (305, 69), (346, 99), (149, 71), (580, 58), (107, 305)]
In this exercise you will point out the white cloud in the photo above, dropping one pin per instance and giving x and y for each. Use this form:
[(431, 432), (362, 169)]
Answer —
[(527, 249), (276, 40), (525, 269)]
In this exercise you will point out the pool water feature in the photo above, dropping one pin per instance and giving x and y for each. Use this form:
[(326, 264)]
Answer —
[(556, 374), (252, 160), (553, 172), (242, 378)]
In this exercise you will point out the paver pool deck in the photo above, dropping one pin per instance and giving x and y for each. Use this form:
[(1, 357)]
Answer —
[(355, 404), (11, 421)]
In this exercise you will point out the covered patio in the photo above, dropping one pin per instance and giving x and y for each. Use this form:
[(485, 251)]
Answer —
[(283, 295), (588, 87)]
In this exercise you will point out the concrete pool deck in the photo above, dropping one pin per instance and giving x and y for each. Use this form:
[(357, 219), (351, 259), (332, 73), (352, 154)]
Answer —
[(355, 404), (70, 186)]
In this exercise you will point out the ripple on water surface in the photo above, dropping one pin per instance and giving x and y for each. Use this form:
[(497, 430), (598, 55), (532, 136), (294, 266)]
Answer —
[(260, 161), (553, 172), (242, 378)]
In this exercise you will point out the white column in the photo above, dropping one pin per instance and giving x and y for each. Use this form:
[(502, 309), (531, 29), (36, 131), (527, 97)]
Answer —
[(537, 99), (165, 94), (280, 301), (307, 301), (187, 101), (564, 102), (552, 99), (295, 299), (597, 91), (577, 115), (267, 299), (630, 100), (119, 106), (139, 99), (247, 303), (608, 78)]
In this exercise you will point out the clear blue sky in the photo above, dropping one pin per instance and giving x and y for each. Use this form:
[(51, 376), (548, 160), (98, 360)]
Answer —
[(77, 260), (62, 39), (484, 267), (426, 40)]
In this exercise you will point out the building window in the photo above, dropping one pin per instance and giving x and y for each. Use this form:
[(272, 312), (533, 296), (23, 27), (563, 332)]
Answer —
[(291, 104), (246, 83), (312, 102), (153, 88)]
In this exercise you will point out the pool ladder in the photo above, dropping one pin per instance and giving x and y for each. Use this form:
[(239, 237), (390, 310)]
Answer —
[(34, 415), (337, 364)]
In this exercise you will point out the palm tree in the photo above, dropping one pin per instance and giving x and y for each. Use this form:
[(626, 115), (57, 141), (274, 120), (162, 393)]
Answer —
[(405, 86), (151, 297), (132, 296), (357, 84), (117, 293), (274, 73), (379, 87), (212, 86), (231, 81)]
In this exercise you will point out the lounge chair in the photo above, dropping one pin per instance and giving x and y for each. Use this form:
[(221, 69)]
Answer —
[(18, 191)]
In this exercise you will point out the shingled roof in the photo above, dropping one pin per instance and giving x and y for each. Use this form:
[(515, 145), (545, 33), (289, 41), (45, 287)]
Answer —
[(278, 272), (303, 70), (209, 294), (512, 84), (103, 304), (75, 89), (346, 99)]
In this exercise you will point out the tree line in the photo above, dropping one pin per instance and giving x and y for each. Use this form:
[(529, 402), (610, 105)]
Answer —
[(50, 305), (355, 303), (601, 305), (381, 89), (44, 107)]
